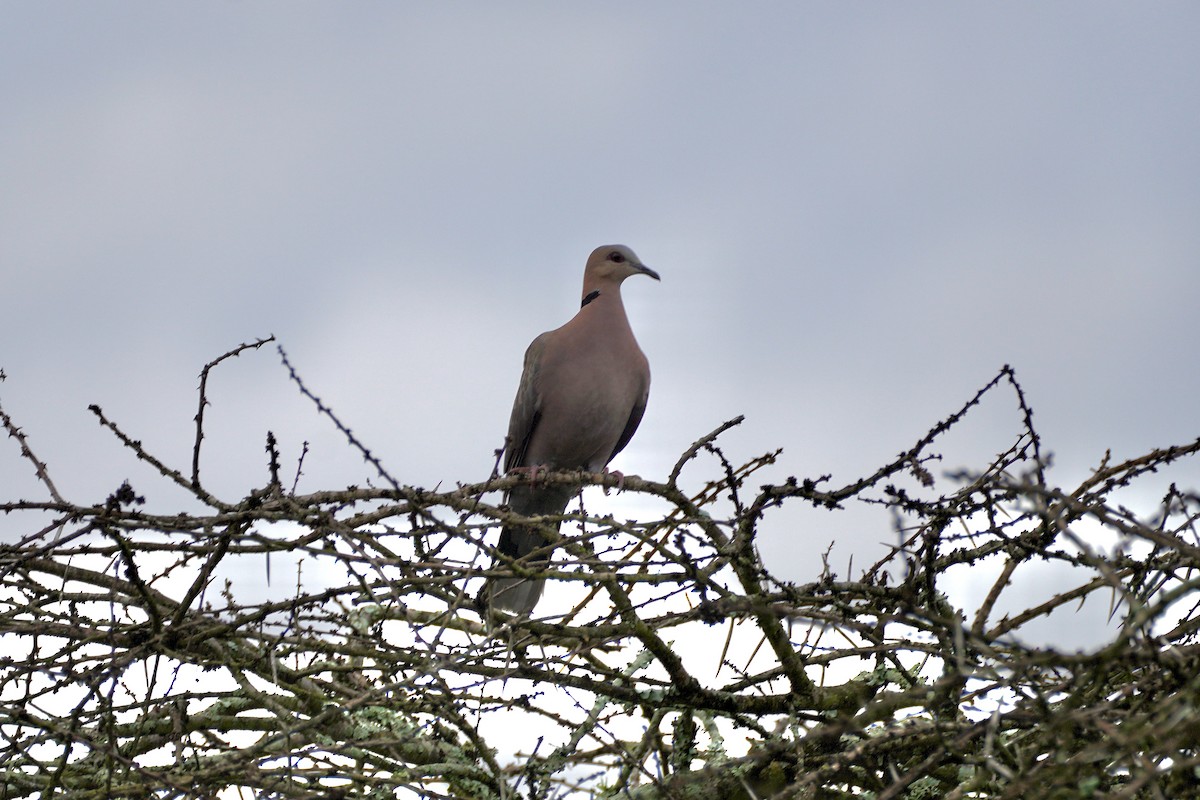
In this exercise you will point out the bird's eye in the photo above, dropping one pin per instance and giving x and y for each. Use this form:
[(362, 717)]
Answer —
[(616, 256)]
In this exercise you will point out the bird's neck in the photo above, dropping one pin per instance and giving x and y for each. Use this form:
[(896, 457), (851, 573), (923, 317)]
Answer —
[(604, 302), (603, 294)]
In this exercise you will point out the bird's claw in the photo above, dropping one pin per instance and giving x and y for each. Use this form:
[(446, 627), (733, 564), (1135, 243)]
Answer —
[(620, 480), (531, 471)]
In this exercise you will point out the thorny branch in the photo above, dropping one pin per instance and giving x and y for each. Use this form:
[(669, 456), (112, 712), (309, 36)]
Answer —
[(141, 657), (235, 352)]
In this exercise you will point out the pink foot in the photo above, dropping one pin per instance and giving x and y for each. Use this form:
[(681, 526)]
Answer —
[(531, 471), (620, 480)]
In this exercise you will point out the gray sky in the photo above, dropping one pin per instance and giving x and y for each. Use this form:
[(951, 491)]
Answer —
[(860, 212)]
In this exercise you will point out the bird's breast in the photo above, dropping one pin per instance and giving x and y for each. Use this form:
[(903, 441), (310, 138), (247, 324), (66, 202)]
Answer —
[(585, 411)]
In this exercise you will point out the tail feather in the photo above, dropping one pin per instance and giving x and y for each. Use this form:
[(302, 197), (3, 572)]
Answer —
[(520, 595)]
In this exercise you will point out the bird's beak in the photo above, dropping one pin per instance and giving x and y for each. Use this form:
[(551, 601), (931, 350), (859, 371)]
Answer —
[(642, 268)]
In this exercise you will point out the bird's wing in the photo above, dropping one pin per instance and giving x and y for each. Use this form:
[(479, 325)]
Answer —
[(631, 425), (526, 410)]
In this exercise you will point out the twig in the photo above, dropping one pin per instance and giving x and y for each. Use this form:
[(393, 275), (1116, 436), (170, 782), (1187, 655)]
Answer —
[(39, 467), (204, 400), (328, 412), (704, 441), (273, 460), (162, 468), (299, 467)]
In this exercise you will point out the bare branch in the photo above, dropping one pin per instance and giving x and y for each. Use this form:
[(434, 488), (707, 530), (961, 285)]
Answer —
[(39, 467), (324, 409), (237, 351), (144, 657)]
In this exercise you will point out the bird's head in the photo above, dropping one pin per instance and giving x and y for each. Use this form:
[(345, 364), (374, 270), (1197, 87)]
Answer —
[(613, 263)]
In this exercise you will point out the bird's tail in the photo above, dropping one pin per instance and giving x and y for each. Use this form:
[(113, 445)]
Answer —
[(518, 595)]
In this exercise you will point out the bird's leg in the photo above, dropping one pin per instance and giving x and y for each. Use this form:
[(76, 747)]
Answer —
[(620, 479), (531, 471)]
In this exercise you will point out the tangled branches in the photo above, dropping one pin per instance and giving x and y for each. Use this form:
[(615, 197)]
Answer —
[(143, 658)]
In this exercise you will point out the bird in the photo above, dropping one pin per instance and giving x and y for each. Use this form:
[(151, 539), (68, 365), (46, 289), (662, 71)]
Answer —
[(582, 395)]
